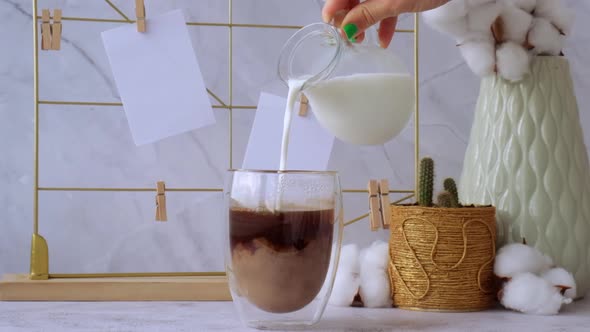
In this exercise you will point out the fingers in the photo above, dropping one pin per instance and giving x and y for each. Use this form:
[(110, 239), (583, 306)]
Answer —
[(417, 6), (333, 7), (386, 31), (337, 12), (428, 5), (368, 13), (338, 16), (375, 10), (360, 37)]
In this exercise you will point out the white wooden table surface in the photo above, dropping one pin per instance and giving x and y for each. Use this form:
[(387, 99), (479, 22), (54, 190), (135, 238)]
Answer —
[(221, 316)]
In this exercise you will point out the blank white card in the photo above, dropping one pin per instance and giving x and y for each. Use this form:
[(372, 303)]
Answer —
[(310, 145), (158, 78)]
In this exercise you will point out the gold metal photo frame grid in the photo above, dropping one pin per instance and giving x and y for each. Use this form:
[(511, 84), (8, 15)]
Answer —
[(40, 284)]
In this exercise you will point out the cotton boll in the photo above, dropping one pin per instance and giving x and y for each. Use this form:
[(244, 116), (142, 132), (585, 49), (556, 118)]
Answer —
[(518, 258), (560, 277), (557, 13), (526, 5), (481, 18), (512, 61), (470, 37), (531, 294), (545, 38), (349, 258), (374, 288), (456, 28), (517, 23), (546, 8), (450, 18), (477, 3), (450, 11), (345, 289), (564, 20), (480, 56), (347, 279), (377, 255)]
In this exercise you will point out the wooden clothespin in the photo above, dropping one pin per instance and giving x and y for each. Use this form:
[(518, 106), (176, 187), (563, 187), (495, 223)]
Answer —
[(161, 214), (45, 30), (374, 212), (50, 31), (140, 14), (385, 203), (56, 30), (303, 105)]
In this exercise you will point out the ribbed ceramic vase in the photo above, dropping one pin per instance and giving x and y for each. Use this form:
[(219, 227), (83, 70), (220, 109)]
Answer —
[(526, 156)]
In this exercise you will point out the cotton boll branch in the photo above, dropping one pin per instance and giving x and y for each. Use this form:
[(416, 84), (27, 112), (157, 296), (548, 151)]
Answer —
[(532, 294), (539, 27), (530, 283)]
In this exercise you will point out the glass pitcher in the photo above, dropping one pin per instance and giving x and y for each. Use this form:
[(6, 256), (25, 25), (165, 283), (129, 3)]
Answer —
[(361, 93)]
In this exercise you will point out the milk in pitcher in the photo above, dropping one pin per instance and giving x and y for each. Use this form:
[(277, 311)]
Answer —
[(363, 109)]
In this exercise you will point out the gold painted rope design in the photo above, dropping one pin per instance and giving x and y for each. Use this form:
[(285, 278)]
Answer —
[(442, 259)]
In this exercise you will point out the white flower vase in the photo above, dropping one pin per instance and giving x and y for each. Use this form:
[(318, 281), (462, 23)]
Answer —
[(526, 156)]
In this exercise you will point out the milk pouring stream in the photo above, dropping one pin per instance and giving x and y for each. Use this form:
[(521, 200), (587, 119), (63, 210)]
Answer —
[(294, 90)]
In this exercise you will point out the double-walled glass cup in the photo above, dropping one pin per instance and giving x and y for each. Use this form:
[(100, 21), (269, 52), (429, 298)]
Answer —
[(283, 243)]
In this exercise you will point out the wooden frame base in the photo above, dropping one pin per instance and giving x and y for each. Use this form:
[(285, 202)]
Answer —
[(18, 287)]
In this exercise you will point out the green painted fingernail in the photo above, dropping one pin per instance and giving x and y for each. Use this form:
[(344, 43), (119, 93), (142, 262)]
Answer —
[(351, 29)]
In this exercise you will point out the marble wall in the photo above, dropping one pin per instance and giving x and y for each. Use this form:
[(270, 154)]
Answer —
[(92, 146)]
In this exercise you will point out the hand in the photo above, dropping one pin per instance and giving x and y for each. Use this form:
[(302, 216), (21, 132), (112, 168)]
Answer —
[(356, 17)]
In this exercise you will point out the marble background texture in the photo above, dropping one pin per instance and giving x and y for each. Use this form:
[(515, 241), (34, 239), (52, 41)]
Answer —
[(92, 146)]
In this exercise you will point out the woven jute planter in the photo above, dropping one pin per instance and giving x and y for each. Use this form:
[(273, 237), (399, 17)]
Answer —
[(442, 259)]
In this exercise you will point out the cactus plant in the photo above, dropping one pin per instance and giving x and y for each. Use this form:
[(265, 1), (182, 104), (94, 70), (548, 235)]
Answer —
[(426, 182), (449, 198), (451, 187), (445, 199)]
